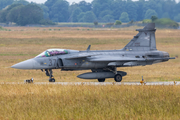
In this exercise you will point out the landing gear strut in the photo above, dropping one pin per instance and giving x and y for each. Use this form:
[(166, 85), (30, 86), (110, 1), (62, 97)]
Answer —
[(117, 77), (49, 73)]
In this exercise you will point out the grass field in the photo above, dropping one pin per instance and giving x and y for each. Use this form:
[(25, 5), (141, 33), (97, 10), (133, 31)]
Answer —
[(111, 102), (21, 43), (55, 102)]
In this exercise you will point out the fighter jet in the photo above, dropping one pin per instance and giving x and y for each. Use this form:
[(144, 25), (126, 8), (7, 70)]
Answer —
[(140, 51)]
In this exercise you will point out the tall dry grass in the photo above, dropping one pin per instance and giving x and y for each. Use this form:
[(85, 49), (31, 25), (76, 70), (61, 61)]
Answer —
[(89, 102), (23, 43)]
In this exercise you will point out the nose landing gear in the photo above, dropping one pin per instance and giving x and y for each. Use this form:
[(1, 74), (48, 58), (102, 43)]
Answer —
[(52, 80), (49, 73)]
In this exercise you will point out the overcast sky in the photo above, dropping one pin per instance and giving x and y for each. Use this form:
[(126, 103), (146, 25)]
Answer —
[(70, 1)]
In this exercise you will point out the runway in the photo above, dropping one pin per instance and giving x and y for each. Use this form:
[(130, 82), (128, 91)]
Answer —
[(96, 83)]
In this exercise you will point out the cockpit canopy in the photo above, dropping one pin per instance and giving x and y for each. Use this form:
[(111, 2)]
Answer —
[(53, 52)]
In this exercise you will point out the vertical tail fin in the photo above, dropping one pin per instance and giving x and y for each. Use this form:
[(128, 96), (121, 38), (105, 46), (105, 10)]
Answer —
[(144, 40)]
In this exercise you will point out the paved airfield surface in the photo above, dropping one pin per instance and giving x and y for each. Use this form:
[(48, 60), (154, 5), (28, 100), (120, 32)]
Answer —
[(97, 83)]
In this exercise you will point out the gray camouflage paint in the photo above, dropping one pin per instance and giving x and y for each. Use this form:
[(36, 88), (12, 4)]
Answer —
[(140, 51)]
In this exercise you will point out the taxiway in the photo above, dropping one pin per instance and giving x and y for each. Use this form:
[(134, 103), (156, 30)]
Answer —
[(97, 83)]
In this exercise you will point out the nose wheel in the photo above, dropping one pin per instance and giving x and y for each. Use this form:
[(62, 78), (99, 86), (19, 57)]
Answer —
[(49, 73), (52, 80)]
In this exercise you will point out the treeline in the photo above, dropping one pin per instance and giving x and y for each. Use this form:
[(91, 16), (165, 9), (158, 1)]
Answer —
[(17, 13), (97, 10)]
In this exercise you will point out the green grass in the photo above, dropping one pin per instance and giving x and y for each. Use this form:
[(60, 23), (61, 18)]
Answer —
[(80, 23), (2, 29)]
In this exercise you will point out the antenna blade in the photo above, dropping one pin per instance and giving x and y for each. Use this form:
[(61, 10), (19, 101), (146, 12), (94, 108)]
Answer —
[(89, 47)]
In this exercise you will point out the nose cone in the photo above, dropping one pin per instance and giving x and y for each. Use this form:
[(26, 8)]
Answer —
[(28, 64)]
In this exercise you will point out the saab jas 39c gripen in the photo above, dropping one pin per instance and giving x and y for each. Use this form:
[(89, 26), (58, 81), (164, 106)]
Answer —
[(140, 51)]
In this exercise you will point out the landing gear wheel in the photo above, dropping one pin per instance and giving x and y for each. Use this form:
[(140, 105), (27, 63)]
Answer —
[(118, 78), (52, 80), (101, 80)]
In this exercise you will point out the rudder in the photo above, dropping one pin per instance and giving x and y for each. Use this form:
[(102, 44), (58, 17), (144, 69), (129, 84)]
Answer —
[(144, 40)]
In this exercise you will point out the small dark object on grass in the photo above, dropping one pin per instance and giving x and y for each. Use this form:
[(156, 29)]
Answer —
[(29, 81)]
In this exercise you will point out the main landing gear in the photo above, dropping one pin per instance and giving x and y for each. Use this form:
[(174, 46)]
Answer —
[(49, 73), (117, 74), (101, 80), (118, 78)]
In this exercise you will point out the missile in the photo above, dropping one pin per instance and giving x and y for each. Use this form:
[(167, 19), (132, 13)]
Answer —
[(100, 75)]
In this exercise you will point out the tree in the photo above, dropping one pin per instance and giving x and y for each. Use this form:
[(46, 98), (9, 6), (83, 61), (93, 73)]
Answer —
[(159, 9), (5, 12), (145, 21), (140, 10), (104, 13), (154, 5), (13, 13), (165, 15), (105, 6), (85, 6), (89, 16), (30, 14), (153, 18), (61, 11), (150, 13), (168, 6), (100, 5), (71, 9), (124, 17), (22, 14), (117, 7), (108, 18), (45, 11), (132, 10), (24, 2), (80, 17), (96, 9), (95, 22), (75, 14), (177, 18), (166, 22), (177, 9), (58, 10), (118, 22), (4, 3), (50, 3)]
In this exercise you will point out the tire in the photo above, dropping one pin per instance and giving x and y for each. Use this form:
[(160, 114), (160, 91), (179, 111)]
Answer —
[(52, 80), (118, 78), (101, 80)]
